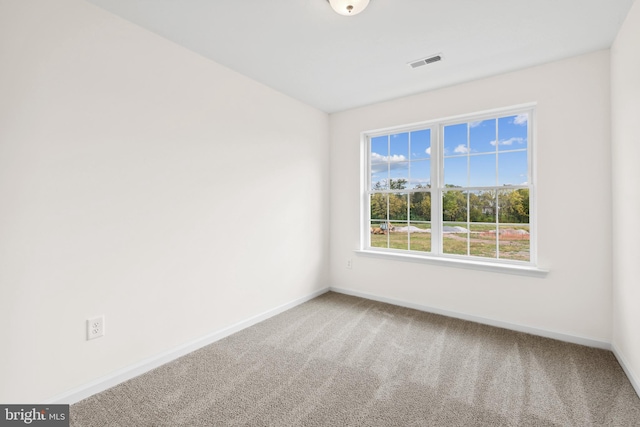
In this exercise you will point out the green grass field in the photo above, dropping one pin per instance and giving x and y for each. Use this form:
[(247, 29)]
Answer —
[(480, 242)]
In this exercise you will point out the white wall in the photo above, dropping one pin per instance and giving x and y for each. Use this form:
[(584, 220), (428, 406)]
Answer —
[(574, 181), (143, 182), (625, 105)]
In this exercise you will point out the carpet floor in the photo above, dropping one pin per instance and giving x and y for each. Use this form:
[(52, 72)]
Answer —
[(339, 360)]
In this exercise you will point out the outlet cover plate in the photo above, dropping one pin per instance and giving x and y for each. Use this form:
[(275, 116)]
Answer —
[(95, 327)]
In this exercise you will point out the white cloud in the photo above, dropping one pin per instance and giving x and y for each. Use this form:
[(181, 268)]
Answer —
[(375, 158), (475, 124), (521, 119), (379, 167), (461, 149), (428, 150), (509, 141)]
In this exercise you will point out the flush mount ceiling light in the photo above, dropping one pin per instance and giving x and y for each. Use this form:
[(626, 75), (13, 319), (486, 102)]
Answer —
[(348, 7)]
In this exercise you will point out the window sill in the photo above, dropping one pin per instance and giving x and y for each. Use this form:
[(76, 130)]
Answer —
[(522, 270)]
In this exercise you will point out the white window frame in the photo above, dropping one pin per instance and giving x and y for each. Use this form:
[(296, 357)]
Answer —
[(437, 256)]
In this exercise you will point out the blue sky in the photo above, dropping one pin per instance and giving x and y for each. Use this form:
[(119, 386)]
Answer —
[(471, 152)]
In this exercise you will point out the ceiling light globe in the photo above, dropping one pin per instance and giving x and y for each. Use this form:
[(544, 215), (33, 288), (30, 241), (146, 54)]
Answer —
[(348, 7)]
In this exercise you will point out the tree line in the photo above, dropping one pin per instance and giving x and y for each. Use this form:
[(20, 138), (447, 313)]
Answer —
[(511, 205)]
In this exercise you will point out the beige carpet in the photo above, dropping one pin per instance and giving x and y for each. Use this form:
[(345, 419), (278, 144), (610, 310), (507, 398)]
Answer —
[(345, 361)]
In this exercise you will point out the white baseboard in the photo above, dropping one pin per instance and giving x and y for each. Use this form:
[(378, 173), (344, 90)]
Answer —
[(486, 321), (117, 377), (633, 379), (121, 375)]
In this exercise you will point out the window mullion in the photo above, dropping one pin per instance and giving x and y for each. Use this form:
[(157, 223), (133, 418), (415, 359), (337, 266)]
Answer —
[(408, 223), (533, 223), (497, 192), (365, 181), (389, 188), (437, 177), (468, 191)]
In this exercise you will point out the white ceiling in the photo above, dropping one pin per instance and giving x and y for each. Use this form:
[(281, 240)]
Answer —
[(304, 49)]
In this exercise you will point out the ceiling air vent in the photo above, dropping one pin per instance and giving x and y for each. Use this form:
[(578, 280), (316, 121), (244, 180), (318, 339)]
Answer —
[(426, 61)]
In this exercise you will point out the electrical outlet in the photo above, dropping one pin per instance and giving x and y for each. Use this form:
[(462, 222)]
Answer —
[(95, 327), (349, 265)]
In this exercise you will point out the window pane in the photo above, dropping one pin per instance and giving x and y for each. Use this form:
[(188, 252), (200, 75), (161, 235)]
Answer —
[(482, 240), (379, 149), (482, 206), (513, 168), (421, 144), (399, 175), (512, 132), (455, 171), (399, 147), (482, 225), (398, 213), (482, 170), (378, 203), (398, 239), (379, 224), (454, 206), (420, 209), (420, 174), (379, 237), (419, 227), (398, 207), (513, 206), (380, 176), (514, 242), (455, 238), (420, 236), (482, 136), (455, 140)]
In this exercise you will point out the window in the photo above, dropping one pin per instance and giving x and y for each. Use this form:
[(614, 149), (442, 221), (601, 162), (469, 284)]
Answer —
[(453, 189)]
